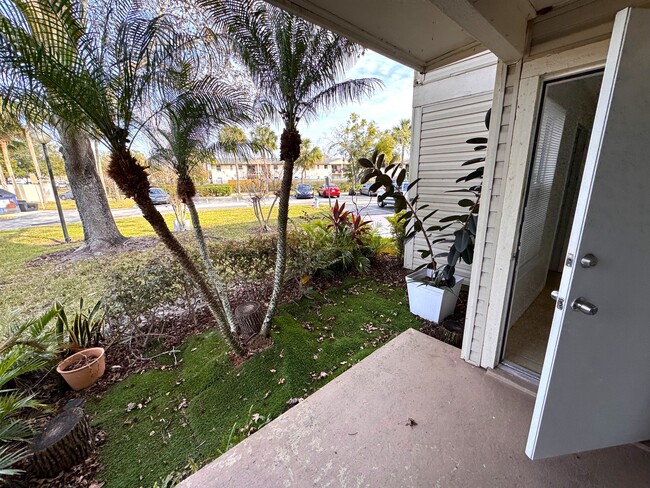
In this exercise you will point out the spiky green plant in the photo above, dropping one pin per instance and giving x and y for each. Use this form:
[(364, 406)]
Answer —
[(298, 69), (24, 348), (96, 76)]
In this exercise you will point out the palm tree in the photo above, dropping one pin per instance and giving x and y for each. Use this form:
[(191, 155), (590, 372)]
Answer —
[(234, 143), (264, 142), (179, 134), (402, 135), (94, 77), (298, 69), (309, 157)]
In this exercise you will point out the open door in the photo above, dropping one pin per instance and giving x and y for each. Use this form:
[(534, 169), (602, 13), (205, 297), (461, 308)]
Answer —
[(594, 389)]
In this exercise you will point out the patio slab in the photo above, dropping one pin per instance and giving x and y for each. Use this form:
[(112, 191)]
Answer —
[(469, 430)]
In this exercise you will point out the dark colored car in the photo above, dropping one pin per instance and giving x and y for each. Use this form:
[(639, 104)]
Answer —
[(67, 195), (390, 200), (329, 191), (304, 191), (365, 190), (159, 196)]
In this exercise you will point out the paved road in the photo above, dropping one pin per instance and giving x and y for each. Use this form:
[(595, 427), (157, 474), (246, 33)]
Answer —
[(366, 206)]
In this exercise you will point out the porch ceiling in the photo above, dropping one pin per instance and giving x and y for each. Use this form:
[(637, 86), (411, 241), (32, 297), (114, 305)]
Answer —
[(469, 429), (425, 34)]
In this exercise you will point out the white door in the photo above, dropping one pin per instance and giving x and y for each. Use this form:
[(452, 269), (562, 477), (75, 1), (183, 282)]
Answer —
[(594, 390)]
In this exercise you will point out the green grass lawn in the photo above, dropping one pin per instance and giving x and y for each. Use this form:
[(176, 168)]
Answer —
[(27, 290), (195, 411), (72, 205)]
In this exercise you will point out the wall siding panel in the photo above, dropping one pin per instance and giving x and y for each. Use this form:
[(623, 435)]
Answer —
[(445, 126)]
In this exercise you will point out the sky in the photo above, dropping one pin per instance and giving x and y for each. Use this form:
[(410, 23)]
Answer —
[(386, 107)]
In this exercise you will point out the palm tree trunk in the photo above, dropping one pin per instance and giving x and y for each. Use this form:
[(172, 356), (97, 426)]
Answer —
[(100, 231), (132, 180), (37, 167), (289, 152), (237, 176), (3, 180), (209, 267), (10, 171)]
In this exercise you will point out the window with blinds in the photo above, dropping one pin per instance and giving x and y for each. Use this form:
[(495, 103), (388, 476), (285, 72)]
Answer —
[(549, 138)]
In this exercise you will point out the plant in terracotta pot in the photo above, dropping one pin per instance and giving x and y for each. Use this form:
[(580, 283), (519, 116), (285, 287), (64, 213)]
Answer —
[(84, 331)]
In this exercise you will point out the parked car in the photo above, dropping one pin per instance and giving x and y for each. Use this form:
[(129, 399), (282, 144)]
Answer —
[(304, 191), (329, 191), (66, 196), (159, 196), (390, 200), (365, 190)]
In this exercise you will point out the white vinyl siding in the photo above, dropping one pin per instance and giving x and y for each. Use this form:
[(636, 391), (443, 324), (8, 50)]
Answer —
[(443, 126), (476, 321)]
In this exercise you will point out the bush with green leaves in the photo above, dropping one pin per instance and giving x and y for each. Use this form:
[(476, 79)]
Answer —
[(214, 190), (398, 231), (24, 348), (138, 293)]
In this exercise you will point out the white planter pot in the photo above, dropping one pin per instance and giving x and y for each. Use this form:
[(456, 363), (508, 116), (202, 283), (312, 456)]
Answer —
[(429, 302)]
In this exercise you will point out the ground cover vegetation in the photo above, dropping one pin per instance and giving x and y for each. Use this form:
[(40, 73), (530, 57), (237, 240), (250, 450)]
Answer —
[(182, 380)]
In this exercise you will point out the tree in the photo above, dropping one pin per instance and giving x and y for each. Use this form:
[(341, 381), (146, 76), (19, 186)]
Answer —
[(9, 129), (402, 135), (194, 107), (264, 142), (21, 28), (95, 77), (234, 143), (298, 69), (309, 157), (353, 140), (386, 145)]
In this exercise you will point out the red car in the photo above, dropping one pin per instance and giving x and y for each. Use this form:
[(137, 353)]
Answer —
[(329, 191)]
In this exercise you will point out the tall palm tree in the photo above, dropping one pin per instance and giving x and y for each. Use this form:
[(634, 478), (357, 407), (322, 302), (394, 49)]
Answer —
[(234, 142), (298, 69), (95, 76), (179, 133), (402, 135), (309, 157)]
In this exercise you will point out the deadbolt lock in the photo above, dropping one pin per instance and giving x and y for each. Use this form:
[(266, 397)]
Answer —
[(588, 261)]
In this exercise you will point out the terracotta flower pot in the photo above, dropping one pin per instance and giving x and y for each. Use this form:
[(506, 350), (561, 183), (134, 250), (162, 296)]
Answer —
[(87, 374)]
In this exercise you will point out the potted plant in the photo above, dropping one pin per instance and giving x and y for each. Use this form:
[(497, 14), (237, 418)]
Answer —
[(432, 290), (84, 333)]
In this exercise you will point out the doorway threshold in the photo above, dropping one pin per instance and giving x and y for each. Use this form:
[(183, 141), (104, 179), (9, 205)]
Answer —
[(516, 376)]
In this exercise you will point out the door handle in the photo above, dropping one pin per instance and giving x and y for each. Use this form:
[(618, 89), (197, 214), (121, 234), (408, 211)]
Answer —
[(581, 304), (555, 294), (588, 261)]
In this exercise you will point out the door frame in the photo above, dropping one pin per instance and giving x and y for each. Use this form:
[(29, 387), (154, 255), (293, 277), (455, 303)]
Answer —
[(534, 73)]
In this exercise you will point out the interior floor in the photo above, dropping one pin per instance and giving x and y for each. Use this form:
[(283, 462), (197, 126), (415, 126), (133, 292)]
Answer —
[(528, 337)]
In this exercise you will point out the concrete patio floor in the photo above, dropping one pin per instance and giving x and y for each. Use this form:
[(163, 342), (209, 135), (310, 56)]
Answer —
[(469, 430)]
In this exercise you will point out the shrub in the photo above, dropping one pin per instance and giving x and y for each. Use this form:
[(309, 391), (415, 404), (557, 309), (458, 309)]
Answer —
[(138, 294), (25, 348), (398, 231), (214, 190)]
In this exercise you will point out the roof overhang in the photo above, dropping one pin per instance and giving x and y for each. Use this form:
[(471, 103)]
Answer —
[(424, 34)]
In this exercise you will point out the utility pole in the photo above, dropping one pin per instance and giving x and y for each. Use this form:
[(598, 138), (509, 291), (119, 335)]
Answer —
[(42, 138)]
